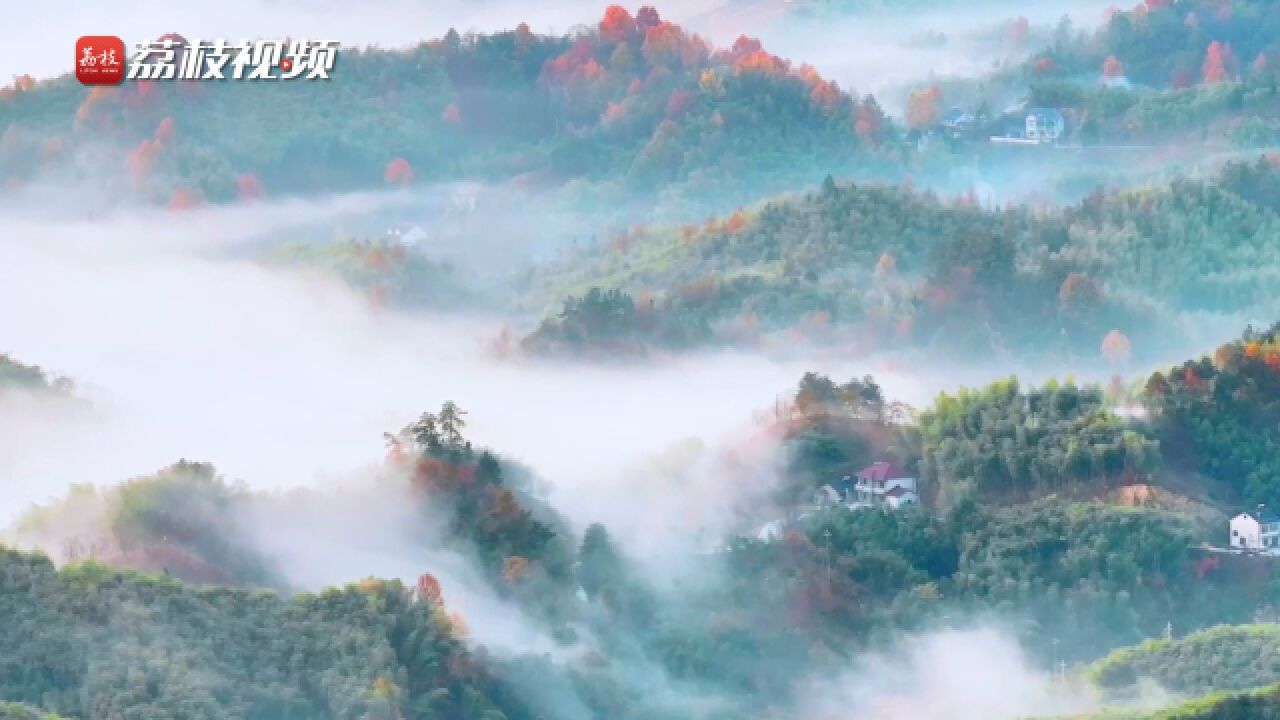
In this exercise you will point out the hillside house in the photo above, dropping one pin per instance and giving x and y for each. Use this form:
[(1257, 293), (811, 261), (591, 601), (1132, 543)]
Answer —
[(1256, 530), (1044, 125), (1032, 126), (884, 483), (900, 497)]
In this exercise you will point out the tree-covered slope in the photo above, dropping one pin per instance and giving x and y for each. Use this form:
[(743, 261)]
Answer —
[(185, 520), (1175, 43), (1218, 414), (1220, 658), (871, 267), (634, 99), (88, 641)]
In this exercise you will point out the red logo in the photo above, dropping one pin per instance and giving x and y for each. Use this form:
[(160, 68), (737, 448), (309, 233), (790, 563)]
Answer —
[(100, 60)]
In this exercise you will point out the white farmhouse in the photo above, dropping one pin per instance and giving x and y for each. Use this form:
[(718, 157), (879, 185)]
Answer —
[(885, 483), (1044, 125), (1256, 530)]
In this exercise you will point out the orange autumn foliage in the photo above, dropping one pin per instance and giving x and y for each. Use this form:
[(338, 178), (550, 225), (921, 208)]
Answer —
[(617, 25), (249, 187), (515, 569), (1112, 68), (142, 158), (763, 63), (164, 131), (53, 147), (679, 104), (1019, 29), (886, 266), (505, 504), (451, 114), (524, 37), (826, 96), (614, 112), (376, 260), (663, 43), (458, 627), (143, 91), (95, 96), (185, 199), (1116, 347), (1215, 63), (743, 47), (1193, 381), (399, 172), (429, 588), (868, 119), (566, 65), (922, 108)]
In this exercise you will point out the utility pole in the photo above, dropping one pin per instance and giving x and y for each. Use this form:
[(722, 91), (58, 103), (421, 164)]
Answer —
[(827, 534)]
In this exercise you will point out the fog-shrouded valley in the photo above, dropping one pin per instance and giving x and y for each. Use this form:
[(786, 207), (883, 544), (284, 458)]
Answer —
[(843, 359)]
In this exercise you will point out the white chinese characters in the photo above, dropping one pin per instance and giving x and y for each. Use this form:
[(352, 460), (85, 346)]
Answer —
[(169, 59), (107, 58)]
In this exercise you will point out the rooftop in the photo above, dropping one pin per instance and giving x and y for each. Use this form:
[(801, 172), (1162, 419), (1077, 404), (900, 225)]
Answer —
[(881, 471)]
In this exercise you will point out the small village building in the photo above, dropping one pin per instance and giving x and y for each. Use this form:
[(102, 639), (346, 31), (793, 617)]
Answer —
[(958, 123), (1044, 125), (900, 497), (1256, 530), (874, 484)]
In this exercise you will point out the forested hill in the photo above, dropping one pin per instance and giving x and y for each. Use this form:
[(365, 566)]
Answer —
[(15, 375), (1221, 658), (869, 267), (1174, 44), (88, 641), (1220, 415), (634, 99), (1179, 72), (749, 628)]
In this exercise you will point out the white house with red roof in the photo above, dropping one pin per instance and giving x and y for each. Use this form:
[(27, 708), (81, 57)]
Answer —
[(885, 483)]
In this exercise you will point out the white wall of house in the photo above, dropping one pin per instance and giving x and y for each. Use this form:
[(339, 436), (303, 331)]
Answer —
[(1245, 532), (907, 498), (904, 483), (1050, 129)]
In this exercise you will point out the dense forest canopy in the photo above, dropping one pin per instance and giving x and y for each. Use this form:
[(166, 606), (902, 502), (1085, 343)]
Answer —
[(1081, 523), (635, 98), (1220, 413), (870, 267), (1176, 43), (832, 585), (89, 641)]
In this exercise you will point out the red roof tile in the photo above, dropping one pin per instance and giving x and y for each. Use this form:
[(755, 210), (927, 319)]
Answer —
[(881, 471)]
